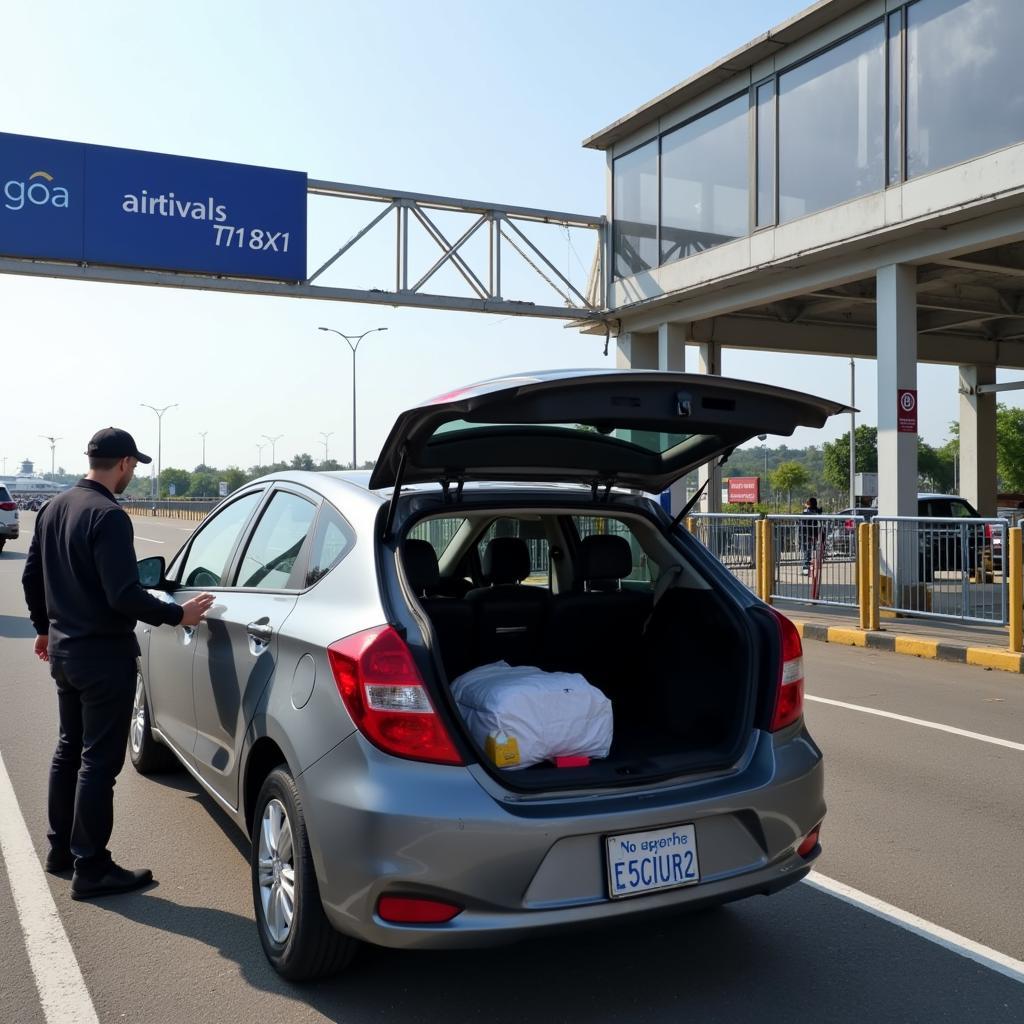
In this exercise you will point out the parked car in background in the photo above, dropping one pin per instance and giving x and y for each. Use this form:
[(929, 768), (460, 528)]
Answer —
[(506, 522), (8, 517), (841, 539)]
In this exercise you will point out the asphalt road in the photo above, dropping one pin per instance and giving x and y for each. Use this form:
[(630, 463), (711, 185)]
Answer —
[(922, 819)]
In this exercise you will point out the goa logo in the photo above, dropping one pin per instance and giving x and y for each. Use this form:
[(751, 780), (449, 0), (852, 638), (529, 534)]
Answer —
[(40, 192)]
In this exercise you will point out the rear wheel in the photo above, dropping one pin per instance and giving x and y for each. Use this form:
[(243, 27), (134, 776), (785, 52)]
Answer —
[(299, 941), (148, 755)]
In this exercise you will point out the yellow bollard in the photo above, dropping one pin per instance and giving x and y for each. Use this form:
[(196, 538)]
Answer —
[(688, 522), (874, 574), (767, 563), (864, 574), (1015, 588)]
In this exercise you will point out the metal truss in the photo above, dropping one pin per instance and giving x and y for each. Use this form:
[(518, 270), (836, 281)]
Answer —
[(506, 240)]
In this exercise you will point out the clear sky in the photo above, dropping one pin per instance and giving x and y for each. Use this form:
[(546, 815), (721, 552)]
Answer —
[(470, 99)]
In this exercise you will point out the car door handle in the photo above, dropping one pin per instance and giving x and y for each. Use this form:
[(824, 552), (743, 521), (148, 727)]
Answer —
[(259, 634)]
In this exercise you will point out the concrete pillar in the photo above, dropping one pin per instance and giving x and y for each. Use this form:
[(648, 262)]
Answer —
[(672, 339), (896, 336), (709, 360), (978, 439), (637, 351)]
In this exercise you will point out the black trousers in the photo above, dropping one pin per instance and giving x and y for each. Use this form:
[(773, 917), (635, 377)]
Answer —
[(95, 698)]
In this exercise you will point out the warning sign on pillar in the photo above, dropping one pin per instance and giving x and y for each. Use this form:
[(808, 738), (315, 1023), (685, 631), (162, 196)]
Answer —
[(906, 411)]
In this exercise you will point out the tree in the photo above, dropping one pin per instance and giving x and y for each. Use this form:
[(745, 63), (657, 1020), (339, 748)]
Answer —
[(180, 478), (934, 468), (789, 477), (204, 485), (329, 466), (837, 457), (234, 477), (303, 461), (1010, 447)]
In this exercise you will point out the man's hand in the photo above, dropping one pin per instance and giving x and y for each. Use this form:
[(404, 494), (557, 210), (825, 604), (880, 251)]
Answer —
[(196, 609), (40, 648)]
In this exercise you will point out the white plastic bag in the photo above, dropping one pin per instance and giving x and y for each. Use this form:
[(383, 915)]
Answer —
[(546, 714)]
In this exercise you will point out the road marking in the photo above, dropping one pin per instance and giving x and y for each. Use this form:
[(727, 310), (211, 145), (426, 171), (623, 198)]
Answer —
[(62, 992), (920, 721), (960, 944), (150, 540)]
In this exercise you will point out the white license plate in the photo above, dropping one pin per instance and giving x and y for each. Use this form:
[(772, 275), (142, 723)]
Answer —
[(648, 861)]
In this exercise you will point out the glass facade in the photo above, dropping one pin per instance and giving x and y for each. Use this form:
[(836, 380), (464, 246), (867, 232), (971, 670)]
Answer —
[(832, 126), (635, 210), (965, 91), (705, 195), (929, 85)]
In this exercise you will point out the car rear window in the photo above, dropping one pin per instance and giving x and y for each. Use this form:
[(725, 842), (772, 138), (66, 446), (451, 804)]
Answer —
[(5, 495), (437, 532)]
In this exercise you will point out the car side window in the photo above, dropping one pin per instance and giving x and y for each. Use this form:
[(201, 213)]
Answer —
[(207, 557), (643, 570), (276, 542), (961, 510), (331, 543)]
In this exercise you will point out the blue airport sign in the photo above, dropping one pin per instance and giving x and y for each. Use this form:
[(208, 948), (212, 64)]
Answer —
[(69, 201)]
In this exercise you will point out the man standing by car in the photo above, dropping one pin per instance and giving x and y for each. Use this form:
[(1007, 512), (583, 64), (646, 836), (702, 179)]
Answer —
[(82, 587)]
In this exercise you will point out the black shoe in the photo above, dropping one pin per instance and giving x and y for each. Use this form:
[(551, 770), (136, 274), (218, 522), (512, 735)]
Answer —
[(59, 862), (114, 880)]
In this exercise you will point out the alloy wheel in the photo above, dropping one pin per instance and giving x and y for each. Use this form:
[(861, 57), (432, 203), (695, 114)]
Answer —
[(277, 871), (138, 727)]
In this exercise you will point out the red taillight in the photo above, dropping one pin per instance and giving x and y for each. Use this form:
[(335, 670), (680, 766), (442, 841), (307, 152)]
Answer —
[(416, 910), (988, 531), (810, 841), (384, 693), (789, 698), (7, 506)]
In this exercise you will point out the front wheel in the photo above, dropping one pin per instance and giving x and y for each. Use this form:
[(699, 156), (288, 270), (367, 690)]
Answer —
[(299, 941), (148, 755)]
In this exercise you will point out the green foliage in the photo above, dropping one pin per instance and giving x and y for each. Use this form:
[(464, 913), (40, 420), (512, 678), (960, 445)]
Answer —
[(790, 476), (837, 457), (234, 477), (303, 461), (180, 478), (204, 485), (1010, 447)]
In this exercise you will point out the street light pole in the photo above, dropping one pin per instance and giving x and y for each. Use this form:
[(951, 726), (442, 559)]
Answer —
[(202, 434), (273, 447), (853, 438), (259, 455), (353, 343), (159, 441), (326, 435), (53, 449)]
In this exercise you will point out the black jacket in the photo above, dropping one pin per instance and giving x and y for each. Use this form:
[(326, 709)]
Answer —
[(81, 579)]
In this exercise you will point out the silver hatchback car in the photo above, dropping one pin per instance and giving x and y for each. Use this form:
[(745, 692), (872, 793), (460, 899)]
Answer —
[(507, 522)]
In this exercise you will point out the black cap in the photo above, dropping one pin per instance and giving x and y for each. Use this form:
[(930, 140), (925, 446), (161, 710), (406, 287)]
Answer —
[(112, 443)]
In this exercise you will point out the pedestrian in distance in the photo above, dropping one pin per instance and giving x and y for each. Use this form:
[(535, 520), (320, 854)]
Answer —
[(809, 532), (81, 583)]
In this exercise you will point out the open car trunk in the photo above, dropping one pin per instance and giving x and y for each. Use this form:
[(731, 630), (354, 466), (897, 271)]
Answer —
[(680, 673)]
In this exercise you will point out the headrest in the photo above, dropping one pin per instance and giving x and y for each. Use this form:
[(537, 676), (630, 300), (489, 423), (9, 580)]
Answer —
[(421, 565), (606, 556), (506, 560)]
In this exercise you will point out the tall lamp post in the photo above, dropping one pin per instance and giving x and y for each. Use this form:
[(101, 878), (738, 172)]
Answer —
[(202, 434), (353, 343), (763, 438), (53, 450), (259, 455), (853, 438), (326, 435), (272, 441), (159, 441)]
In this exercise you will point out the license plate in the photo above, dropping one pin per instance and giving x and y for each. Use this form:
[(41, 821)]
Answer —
[(649, 861)]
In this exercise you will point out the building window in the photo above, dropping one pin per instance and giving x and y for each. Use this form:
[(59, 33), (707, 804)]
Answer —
[(965, 93), (895, 102), (705, 192), (832, 126), (635, 211), (766, 154)]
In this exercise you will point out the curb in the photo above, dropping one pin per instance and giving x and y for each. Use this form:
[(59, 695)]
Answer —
[(984, 657)]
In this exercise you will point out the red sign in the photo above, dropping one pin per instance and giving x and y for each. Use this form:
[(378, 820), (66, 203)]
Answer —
[(906, 411), (744, 490)]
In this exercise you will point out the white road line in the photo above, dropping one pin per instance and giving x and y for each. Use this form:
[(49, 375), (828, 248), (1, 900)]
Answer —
[(984, 955), (62, 992), (1011, 744), (150, 540)]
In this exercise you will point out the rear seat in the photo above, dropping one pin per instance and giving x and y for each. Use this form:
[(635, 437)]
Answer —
[(509, 616), (597, 632), (453, 620)]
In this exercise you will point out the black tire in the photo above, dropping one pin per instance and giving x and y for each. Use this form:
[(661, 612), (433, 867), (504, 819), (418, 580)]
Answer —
[(148, 755), (310, 947), (2, 543)]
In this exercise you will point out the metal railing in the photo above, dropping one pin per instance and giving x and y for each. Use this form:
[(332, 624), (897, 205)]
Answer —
[(814, 559), (183, 508), (944, 568), (731, 538)]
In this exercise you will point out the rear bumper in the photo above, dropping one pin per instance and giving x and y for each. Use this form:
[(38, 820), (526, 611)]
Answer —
[(379, 825), (8, 531)]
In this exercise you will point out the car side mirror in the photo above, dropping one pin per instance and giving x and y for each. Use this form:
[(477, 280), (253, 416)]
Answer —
[(152, 572)]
